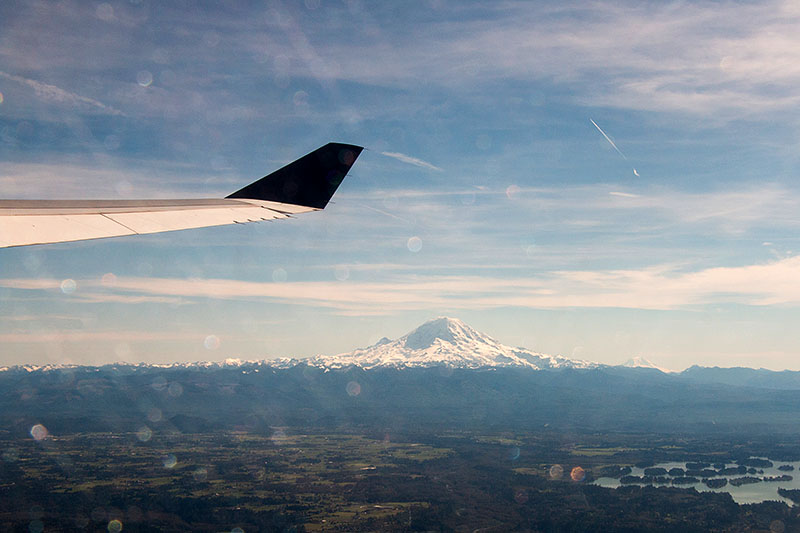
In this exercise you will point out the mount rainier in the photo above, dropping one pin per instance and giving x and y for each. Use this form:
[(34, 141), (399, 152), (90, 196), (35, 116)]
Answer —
[(443, 342)]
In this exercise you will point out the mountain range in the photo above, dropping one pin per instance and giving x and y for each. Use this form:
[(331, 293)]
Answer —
[(444, 374), (450, 343)]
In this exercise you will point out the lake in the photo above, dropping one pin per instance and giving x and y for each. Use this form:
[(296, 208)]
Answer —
[(752, 493)]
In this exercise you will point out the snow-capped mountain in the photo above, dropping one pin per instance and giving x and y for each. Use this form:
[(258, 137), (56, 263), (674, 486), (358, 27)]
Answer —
[(445, 342), (440, 342), (641, 362)]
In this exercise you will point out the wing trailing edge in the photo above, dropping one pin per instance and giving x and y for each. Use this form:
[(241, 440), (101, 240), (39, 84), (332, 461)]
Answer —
[(304, 185)]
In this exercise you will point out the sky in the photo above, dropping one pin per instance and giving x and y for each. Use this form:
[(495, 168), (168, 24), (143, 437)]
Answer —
[(599, 180)]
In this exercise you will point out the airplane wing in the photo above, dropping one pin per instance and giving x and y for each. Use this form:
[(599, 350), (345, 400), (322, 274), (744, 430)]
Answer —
[(301, 186)]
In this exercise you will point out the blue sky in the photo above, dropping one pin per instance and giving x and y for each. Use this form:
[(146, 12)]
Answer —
[(486, 192)]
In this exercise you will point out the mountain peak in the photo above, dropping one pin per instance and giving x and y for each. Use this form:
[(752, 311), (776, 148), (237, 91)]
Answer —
[(640, 362), (445, 341), (442, 328)]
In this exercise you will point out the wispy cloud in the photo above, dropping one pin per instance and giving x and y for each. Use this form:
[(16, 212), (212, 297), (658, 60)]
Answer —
[(729, 57), (657, 287), (411, 160), (39, 337), (110, 179), (53, 94)]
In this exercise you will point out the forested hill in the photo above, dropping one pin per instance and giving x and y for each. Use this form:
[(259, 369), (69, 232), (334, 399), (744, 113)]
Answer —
[(257, 395)]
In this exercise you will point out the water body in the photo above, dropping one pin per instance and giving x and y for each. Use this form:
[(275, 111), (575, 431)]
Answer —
[(753, 493)]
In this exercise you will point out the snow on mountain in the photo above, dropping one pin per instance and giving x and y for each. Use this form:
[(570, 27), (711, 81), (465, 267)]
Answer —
[(439, 342), (445, 342), (641, 362)]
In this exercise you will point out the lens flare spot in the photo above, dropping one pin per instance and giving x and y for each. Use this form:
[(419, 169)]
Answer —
[(1, 98), (483, 142), (341, 272), (200, 474), (10, 455), (39, 432), (577, 474), (159, 383), (154, 415), (353, 388), (160, 56), (144, 78), (556, 471), (123, 188), (512, 191), (279, 436), (111, 142), (211, 38), (347, 157), (300, 99), (237, 530), (108, 280), (391, 202), (211, 342), (777, 526), (169, 460), (104, 12), (514, 453), (115, 526), (414, 244), (521, 496), (144, 434), (68, 286), (123, 350), (175, 389), (279, 275)]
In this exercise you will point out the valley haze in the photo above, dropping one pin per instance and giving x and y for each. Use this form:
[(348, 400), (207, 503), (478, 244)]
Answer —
[(442, 374)]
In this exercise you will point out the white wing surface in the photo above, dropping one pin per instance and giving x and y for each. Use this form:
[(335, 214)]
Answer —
[(302, 186)]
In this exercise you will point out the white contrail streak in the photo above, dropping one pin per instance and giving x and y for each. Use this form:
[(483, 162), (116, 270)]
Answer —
[(635, 172), (51, 93), (385, 213), (411, 160), (608, 139)]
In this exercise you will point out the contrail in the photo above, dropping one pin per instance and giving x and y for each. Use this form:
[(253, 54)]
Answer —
[(635, 172), (608, 139), (51, 93), (411, 160), (385, 213)]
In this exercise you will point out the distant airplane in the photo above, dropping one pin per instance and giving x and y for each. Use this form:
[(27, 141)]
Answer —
[(302, 186)]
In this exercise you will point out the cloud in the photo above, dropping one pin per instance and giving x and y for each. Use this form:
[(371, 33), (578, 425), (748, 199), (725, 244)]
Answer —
[(660, 287), (38, 337), (727, 58), (53, 94), (71, 178), (411, 160)]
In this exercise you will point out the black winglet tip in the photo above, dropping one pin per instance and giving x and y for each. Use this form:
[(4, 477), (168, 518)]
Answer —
[(348, 153), (309, 181)]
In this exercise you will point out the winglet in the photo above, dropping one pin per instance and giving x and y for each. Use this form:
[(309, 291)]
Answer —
[(310, 181)]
